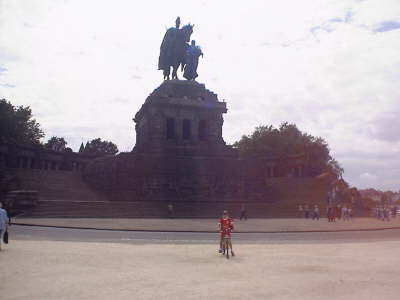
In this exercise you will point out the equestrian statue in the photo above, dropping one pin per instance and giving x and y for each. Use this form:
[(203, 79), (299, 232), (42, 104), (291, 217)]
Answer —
[(175, 51)]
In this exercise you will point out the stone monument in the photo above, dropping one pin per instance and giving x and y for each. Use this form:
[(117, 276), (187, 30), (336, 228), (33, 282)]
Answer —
[(180, 154), (175, 52)]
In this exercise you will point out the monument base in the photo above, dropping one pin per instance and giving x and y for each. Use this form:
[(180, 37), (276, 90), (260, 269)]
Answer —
[(180, 155)]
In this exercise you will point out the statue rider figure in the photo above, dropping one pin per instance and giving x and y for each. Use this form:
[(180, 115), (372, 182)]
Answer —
[(192, 61), (168, 43), (177, 23)]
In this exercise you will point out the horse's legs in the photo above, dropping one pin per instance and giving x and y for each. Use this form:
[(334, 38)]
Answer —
[(166, 73), (174, 72)]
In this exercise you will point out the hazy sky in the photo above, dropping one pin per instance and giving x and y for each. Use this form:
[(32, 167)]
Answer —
[(331, 67)]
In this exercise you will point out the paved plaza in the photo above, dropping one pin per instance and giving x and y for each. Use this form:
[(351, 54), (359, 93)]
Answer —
[(55, 263), (82, 270), (210, 225)]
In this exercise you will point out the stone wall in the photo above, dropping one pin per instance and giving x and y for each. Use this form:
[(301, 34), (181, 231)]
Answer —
[(29, 157), (148, 177), (14, 159)]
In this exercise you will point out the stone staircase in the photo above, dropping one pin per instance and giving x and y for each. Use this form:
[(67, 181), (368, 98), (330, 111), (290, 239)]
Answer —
[(58, 200), (155, 209), (58, 185)]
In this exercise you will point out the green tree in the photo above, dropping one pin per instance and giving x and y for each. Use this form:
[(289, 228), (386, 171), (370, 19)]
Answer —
[(81, 148), (334, 168), (99, 147), (56, 143), (283, 141), (17, 126)]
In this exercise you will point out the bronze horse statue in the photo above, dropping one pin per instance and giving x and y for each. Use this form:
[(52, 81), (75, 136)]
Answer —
[(173, 49)]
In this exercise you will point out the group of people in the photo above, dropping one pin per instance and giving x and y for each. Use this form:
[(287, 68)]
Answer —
[(308, 213), (384, 212), (344, 212)]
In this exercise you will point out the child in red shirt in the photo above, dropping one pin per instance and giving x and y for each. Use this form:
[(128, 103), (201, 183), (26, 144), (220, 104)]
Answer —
[(225, 228)]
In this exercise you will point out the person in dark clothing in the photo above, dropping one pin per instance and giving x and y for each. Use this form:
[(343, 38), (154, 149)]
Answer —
[(243, 212), (170, 210), (306, 211)]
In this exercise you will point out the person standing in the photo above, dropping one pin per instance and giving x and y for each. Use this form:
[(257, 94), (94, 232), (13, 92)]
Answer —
[(3, 222), (350, 213), (394, 211), (170, 210), (330, 213), (378, 212), (193, 53), (381, 213), (338, 212), (316, 213), (243, 212), (306, 211), (300, 211), (344, 213), (386, 214)]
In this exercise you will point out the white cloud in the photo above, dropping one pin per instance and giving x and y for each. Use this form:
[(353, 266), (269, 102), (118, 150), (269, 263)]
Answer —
[(368, 176)]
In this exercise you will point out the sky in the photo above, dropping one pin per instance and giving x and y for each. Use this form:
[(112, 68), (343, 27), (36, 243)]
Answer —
[(331, 67)]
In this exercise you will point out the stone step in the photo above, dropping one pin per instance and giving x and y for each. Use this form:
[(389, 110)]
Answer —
[(58, 185), (79, 200), (153, 209)]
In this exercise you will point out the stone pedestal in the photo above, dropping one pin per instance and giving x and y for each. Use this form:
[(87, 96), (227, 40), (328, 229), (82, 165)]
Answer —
[(180, 116)]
